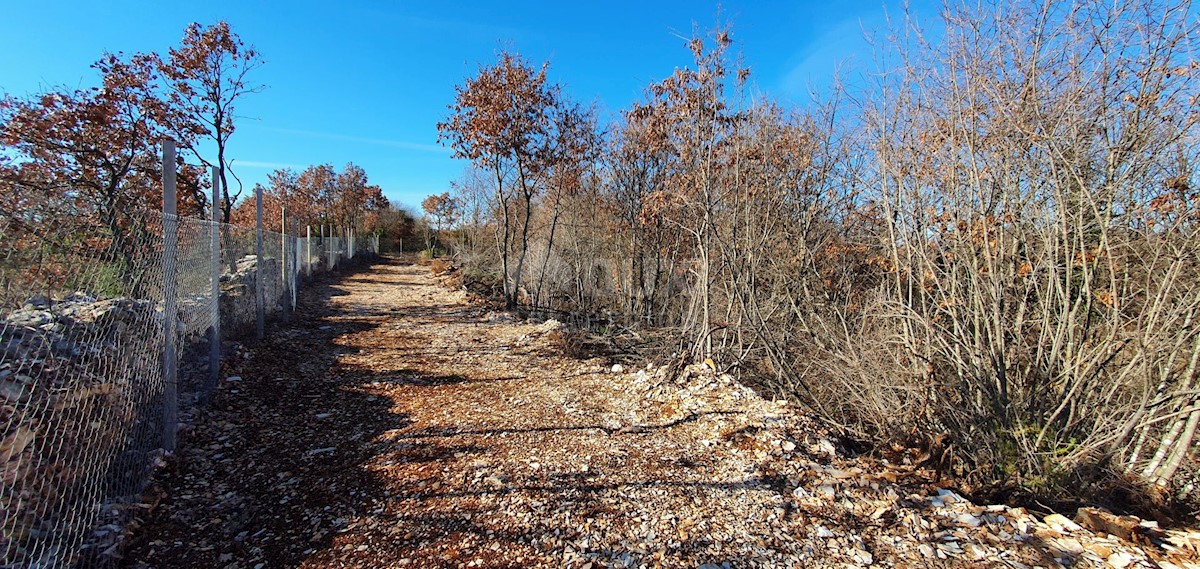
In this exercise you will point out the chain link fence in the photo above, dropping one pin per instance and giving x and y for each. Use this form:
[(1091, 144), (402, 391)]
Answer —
[(89, 382)]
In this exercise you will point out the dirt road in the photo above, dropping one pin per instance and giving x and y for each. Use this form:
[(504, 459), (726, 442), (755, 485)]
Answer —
[(404, 425), (394, 423)]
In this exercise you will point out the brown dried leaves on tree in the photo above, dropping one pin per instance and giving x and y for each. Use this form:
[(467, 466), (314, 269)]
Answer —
[(204, 77), (511, 121), (319, 195), (83, 163)]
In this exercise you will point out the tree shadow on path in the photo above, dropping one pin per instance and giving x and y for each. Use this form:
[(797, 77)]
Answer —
[(273, 469)]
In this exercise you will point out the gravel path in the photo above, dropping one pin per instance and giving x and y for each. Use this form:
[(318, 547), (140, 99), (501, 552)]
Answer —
[(395, 423)]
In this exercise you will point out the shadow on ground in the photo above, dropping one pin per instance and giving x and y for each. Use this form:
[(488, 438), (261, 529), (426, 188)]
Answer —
[(273, 468)]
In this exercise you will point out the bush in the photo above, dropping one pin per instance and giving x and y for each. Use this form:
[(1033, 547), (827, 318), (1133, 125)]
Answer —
[(440, 267)]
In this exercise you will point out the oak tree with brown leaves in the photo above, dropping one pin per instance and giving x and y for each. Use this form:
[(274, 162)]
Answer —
[(319, 195), (85, 162), (443, 210), (205, 76), (503, 120), (699, 130)]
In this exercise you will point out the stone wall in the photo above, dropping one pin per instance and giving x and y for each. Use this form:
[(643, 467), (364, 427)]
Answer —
[(81, 401)]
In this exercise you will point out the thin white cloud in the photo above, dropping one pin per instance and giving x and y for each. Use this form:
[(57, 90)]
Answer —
[(842, 45), (265, 165), (460, 26), (434, 148)]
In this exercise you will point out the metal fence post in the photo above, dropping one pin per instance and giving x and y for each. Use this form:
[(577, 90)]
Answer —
[(170, 366), (259, 302), (214, 333), (295, 255), (308, 251), (284, 281)]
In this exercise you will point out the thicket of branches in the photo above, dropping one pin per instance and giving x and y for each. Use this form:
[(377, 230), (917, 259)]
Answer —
[(992, 236)]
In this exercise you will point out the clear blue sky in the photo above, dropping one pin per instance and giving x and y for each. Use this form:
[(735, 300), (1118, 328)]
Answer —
[(367, 82)]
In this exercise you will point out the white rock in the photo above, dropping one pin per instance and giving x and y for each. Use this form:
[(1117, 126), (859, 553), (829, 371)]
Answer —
[(826, 447), (1070, 545), (969, 520), (1060, 523), (949, 497), (618, 368), (1119, 560), (788, 446)]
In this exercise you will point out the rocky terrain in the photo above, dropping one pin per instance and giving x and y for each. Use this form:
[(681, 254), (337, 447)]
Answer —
[(396, 423), (81, 400)]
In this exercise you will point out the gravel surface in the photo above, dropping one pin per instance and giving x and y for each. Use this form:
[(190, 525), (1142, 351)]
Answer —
[(397, 423)]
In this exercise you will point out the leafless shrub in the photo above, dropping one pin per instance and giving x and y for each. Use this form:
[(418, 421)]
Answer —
[(995, 239), (1040, 235)]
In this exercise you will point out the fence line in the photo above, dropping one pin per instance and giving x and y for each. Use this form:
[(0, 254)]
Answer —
[(104, 336)]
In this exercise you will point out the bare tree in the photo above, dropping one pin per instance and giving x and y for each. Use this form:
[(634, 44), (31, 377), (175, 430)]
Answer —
[(1043, 301), (700, 128)]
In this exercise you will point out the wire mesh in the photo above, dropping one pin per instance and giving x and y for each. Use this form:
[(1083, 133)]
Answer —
[(80, 383), (82, 392)]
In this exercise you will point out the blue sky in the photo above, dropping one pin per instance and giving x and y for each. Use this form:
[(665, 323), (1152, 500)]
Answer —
[(367, 82)]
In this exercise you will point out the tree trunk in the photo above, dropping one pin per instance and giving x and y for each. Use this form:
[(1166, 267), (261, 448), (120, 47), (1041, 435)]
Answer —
[(537, 295), (502, 201), (527, 198)]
